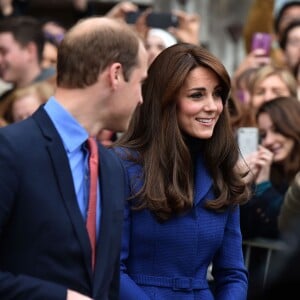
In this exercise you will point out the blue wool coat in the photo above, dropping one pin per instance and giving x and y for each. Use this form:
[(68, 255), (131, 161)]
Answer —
[(169, 260)]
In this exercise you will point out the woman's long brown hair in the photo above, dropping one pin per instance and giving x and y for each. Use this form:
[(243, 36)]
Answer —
[(284, 113), (164, 154)]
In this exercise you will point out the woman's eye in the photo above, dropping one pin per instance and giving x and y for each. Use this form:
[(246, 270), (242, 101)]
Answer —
[(279, 93), (262, 135), (218, 94), (259, 92), (196, 95)]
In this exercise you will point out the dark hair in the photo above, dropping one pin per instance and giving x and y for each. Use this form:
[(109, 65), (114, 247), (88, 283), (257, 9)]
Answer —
[(284, 113), (280, 13), (25, 30), (81, 57), (284, 37), (296, 70), (165, 154)]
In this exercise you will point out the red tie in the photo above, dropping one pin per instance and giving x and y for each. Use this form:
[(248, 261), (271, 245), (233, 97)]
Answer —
[(91, 214)]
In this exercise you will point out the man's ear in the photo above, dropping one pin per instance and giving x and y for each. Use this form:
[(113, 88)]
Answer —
[(32, 50), (115, 74)]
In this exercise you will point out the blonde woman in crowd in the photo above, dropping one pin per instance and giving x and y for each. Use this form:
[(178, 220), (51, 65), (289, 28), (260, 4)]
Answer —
[(270, 82), (267, 83), (23, 102)]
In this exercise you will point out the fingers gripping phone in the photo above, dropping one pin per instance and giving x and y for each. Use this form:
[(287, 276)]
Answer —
[(248, 138)]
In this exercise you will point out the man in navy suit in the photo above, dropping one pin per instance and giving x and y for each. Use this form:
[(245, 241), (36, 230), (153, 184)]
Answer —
[(45, 251)]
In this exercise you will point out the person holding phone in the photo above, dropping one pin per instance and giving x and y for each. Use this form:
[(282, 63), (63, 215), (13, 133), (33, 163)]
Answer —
[(183, 210), (267, 83), (273, 166)]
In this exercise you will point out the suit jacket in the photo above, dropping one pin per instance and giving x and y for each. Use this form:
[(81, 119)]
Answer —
[(44, 245), (169, 260)]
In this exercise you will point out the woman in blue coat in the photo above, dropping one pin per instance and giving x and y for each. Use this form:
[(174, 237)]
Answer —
[(183, 213)]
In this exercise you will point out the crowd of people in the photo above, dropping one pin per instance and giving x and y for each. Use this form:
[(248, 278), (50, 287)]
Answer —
[(175, 197)]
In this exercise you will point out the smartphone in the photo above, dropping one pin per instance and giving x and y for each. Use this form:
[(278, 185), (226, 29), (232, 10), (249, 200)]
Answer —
[(247, 138), (162, 20), (155, 19), (132, 16), (262, 40)]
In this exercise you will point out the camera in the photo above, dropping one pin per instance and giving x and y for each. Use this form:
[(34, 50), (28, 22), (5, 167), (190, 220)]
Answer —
[(161, 20)]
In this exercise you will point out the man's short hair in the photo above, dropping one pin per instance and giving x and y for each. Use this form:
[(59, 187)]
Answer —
[(25, 29), (81, 57)]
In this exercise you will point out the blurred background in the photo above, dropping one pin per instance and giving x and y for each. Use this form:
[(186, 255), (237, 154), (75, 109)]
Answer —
[(221, 27)]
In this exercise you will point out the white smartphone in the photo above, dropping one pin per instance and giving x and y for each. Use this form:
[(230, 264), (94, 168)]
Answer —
[(247, 138)]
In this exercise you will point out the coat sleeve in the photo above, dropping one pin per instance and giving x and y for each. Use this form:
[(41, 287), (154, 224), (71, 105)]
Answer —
[(17, 286), (129, 289), (259, 216), (229, 271)]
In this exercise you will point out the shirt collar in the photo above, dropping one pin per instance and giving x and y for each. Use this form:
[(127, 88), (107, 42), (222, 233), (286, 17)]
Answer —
[(71, 132)]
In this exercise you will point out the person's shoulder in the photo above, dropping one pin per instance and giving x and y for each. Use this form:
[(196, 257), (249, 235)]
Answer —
[(46, 74), (110, 156), (5, 94), (127, 155), (15, 127), (297, 180), (131, 159), (18, 136), (120, 151)]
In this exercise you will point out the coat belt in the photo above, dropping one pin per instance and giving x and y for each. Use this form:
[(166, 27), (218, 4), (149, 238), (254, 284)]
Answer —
[(176, 283)]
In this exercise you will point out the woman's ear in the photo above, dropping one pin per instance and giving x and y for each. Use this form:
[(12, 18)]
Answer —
[(115, 74)]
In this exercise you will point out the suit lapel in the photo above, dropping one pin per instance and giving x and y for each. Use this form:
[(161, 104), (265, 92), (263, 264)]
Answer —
[(107, 194), (64, 180)]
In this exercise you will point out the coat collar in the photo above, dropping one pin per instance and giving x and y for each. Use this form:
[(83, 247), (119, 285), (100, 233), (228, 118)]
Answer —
[(203, 180), (64, 178)]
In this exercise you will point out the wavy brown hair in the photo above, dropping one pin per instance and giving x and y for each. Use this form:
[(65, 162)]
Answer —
[(164, 154), (284, 113)]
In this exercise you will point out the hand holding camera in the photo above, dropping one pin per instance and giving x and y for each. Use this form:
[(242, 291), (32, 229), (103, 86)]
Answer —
[(122, 9), (188, 29)]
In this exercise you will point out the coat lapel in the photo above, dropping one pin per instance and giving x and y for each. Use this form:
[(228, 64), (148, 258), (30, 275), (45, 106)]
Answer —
[(106, 186), (109, 192), (203, 181), (64, 180)]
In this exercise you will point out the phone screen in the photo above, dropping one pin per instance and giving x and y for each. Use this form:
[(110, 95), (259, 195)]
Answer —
[(247, 140), (262, 40)]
